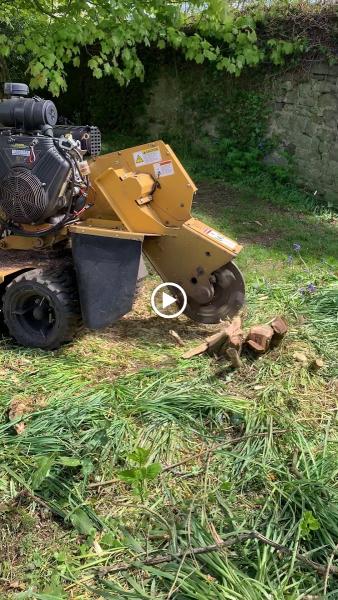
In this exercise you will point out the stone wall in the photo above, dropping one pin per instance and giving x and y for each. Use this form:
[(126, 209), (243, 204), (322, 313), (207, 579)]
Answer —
[(302, 108), (304, 121)]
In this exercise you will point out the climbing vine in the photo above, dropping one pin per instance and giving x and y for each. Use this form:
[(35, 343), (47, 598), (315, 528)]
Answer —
[(106, 35)]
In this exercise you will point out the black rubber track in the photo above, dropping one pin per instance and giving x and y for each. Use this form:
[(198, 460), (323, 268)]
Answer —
[(57, 288)]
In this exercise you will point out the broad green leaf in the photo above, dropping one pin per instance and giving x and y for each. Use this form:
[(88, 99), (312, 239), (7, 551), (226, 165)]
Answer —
[(45, 464), (69, 461), (152, 471), (130, 475), (140, 455), (308, 524), (82, 522), (87, 467)]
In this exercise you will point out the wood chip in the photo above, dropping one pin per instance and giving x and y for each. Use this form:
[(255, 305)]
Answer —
[(176, 337), (196, 351), (234, 358), (316, 364), (300, 357), (279, 326)]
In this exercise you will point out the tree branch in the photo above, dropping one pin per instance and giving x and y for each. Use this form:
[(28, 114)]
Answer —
[(231, 541)]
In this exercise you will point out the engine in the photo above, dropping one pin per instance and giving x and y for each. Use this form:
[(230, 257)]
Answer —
[(43, 172)]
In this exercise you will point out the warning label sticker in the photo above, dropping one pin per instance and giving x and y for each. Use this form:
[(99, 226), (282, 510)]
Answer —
[(222, 239), (147, 157), (163, 168), (16, 152)]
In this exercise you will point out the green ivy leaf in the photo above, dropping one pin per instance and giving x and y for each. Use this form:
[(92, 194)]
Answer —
[(87, 467), (226, 486), (97, 73), (108, 540)]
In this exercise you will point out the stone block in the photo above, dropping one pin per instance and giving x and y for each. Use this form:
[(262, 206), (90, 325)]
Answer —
[(291, 97), (287, 85), (301, 140), (320, 68), (324, 148), (328, 179), (305, 110), (333, 71), (330, 115), (309, 128), (317, 83), (333, 155), (327, 86), (328, 101), (326, 134), (332, 166), (278, 105)]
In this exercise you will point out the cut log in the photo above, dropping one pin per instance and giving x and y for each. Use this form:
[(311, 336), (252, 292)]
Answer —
[(280, 329), (259, 338)]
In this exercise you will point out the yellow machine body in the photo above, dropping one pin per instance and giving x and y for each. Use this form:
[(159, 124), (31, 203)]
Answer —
[(143, 196), (145, 190)]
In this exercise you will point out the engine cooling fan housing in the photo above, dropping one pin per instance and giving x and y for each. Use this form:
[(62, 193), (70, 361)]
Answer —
[(22, 196)]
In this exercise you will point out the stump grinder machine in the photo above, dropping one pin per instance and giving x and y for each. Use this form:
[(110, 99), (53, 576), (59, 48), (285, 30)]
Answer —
[(72, 231)]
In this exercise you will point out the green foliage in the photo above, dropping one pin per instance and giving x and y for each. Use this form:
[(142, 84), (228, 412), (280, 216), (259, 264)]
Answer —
[(143, 472), (308, 524), (52, 38)]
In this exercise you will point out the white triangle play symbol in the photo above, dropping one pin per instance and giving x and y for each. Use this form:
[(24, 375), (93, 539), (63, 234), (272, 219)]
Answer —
[(167, 300)]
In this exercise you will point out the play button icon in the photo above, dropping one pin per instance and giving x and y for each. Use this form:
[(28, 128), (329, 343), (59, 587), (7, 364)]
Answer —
[(162, 301), (167, 300)]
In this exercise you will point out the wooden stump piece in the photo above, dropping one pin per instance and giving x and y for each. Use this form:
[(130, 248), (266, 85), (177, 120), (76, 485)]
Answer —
[(259, 338)]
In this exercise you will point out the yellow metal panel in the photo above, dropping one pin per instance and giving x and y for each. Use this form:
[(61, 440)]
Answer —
[(190, 257), (122, 193), (88, 229), (172, 196)]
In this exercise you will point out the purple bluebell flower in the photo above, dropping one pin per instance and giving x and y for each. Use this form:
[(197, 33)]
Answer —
[(302, 290), (289, 259), (296, 247), (311, 288)]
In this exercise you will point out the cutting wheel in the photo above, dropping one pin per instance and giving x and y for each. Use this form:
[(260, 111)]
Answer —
[(228, 298)]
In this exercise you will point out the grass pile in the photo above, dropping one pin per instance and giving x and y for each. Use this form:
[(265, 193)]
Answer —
[(127, 453)]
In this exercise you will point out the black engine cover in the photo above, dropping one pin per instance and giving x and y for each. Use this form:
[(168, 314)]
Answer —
[(32, 173)]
